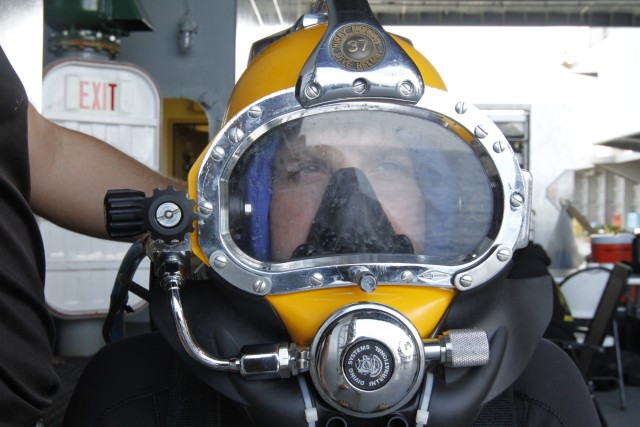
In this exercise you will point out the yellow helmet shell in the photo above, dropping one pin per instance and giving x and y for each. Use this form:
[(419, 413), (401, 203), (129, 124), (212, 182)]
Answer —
[(278, 67)]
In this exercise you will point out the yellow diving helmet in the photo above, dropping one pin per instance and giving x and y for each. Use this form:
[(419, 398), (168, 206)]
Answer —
[(355, 222)]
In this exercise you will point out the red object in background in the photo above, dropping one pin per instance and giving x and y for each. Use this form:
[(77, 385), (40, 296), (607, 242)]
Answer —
[(610, 248), (616, 220)]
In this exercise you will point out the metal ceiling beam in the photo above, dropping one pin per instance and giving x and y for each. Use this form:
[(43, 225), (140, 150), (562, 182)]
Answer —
[(603, 13), (595, 13)]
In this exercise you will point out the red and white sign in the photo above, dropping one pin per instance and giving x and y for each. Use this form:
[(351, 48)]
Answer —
[(117, 103)]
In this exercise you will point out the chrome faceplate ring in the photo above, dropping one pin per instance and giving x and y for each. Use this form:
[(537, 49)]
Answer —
[(367, 360), (258, 277)]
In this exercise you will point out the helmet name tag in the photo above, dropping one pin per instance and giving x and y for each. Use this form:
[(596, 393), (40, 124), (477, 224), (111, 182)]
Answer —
[(357, 47), (433, 276)]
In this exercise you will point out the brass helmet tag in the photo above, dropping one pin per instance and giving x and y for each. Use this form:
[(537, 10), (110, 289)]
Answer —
[(357, 47)]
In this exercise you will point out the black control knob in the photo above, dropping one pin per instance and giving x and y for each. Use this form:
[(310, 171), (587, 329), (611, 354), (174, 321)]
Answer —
[(170, 215), (124, 213)]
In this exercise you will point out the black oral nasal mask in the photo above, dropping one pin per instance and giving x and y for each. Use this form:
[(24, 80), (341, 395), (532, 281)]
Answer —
[(351, 219)]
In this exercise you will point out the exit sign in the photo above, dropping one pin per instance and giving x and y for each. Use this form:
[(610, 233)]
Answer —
[(95, 95)]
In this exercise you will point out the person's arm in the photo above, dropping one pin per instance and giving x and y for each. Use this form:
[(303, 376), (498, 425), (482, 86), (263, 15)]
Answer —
[(71, 173)]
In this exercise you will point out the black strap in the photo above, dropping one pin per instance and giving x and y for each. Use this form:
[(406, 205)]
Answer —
[(191, 402), (499, 412), (194, 404)]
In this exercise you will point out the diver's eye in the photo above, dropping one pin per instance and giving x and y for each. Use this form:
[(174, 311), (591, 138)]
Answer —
[(392, 165), (306, 172)]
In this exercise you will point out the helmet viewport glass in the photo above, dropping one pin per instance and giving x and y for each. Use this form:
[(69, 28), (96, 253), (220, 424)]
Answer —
[(364, 182)]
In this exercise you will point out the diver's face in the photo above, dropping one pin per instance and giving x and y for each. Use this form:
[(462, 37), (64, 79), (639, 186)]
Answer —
[(304, 166)]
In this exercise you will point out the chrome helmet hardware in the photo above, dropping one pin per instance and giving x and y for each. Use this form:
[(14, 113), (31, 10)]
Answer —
[(387, 369), (460, 123)]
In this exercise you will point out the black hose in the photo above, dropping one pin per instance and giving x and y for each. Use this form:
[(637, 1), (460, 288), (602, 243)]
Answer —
[(113, 326)]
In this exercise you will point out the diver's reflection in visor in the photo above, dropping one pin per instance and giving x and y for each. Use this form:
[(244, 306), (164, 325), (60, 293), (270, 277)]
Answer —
[(319, 199), (362, 182)]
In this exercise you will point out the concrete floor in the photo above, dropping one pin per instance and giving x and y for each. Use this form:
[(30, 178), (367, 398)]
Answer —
[(609, 402)]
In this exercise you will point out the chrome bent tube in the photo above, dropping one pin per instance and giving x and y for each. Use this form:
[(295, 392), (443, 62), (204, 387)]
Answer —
[(280, 360), (189, 343)]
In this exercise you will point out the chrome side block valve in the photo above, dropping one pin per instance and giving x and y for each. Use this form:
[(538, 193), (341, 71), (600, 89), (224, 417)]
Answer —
[(459, 348)]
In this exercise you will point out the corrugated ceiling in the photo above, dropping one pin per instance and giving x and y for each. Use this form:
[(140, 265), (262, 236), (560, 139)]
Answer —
[(598, 13)]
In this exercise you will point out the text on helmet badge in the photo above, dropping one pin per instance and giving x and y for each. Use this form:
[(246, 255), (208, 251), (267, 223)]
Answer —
[(357, 47), (368, 365)]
